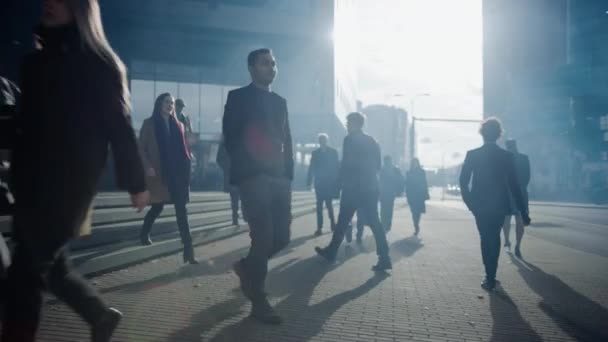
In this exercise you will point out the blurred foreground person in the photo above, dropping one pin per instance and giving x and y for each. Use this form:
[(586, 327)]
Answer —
[(324, 168), (492, 171), (522, 169), (74, 104), (417, 192), (258, 140), (359, 184), (166, 158)]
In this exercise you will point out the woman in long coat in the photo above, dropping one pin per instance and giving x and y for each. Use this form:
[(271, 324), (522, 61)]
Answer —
[(74, 105), (417, 192), (167, 162)]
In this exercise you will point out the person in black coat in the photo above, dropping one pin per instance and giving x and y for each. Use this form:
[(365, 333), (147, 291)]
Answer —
[(258, 141), (74, 106), (391, 186), (522, 168), (324, 168), (417, 192), (360, 190), (494, 180)]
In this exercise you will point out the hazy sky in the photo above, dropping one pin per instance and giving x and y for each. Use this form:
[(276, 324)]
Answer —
[(410, 47)]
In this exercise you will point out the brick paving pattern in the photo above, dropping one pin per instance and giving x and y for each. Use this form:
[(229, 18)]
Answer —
[(432, 294)]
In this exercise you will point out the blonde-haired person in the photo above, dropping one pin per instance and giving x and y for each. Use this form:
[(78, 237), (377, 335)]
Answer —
[(74, 105)]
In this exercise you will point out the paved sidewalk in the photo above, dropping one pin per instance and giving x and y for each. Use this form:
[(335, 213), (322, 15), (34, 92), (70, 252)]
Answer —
[(433, 293)]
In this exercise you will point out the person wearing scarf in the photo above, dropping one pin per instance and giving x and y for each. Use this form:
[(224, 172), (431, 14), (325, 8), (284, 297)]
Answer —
[(166, 159)]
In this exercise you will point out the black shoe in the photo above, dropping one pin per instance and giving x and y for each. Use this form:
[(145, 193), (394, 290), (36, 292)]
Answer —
[(319, 232), (507, 245), (383, 265), (517, 252), (103, 330), (145, 240), (327, 255), (264, 313), (489, 284), (189, 255), (333, 227), (240, 272)]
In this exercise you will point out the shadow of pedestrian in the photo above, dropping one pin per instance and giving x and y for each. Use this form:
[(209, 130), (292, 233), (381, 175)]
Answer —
[(508, 324), (295, 280), (577, 315), (214, 266), (303, 321), (405, 248)]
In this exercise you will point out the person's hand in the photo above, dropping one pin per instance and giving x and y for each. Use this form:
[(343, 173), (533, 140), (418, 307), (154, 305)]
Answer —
[(151, 172), (526, 219), (140, 200)]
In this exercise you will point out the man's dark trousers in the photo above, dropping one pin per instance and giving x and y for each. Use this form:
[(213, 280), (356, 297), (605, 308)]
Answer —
[(39, 264), (330, 211), (267, 206), (367, 205), (489, 226), (387, 205)]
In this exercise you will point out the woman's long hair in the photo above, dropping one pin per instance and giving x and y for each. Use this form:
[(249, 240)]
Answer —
[(159, 103), (88, 21)]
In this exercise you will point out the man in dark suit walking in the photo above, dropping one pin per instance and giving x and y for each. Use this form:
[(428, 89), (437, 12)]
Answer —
[(324, 168), (258, 141), (488, 198), (522, 169), (359, 184)]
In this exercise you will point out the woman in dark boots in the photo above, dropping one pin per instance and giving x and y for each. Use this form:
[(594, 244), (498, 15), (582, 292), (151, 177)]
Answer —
[(74, 105), (417, 192), (166, 160)]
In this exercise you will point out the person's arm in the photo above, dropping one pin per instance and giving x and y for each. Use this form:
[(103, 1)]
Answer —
[(515, 188), (425, 185), (377, 156), (229, 123), (128, 163), (346, 162), (465, 178), (144, 139), (526, 180), (288, 146), (220, 159)]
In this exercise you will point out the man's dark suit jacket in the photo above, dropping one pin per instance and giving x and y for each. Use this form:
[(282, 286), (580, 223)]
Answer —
[(494, 178), (324, 168), (360, 165), (257, 134)]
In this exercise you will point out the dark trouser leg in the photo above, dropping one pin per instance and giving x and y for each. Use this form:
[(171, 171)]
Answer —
[(330, 212), (257, 207), (181, 214), (360, 224), (369, 207), (489, 227), (386, 212), (38, 265), (319, 213), (416, 215), (281, 214), (234, 205), (347, 211), (149, 219)]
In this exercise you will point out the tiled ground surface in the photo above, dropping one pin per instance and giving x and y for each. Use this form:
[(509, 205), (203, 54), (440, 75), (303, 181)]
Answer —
[(432, 294)]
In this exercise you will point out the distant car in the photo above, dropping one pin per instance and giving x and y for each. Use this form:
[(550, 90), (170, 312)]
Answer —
[(453, 190)]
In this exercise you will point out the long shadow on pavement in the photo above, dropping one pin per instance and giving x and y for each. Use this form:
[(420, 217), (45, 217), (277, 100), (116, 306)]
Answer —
[(214, 266), (296, 280), (578, 316), (509, 325)]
